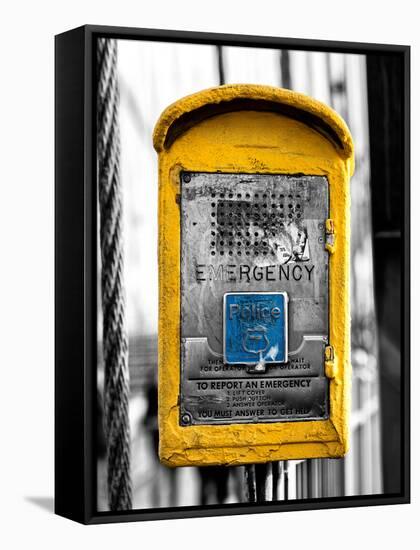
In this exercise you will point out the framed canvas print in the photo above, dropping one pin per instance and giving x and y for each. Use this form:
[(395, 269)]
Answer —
[(232, 274)]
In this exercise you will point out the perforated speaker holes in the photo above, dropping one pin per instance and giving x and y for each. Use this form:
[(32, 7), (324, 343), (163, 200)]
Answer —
[(243, 223)]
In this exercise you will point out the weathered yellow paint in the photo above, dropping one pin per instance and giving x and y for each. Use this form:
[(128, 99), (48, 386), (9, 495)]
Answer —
[(191, 137)]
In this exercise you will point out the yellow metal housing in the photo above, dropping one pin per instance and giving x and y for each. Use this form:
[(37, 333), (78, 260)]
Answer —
[(265, 130)]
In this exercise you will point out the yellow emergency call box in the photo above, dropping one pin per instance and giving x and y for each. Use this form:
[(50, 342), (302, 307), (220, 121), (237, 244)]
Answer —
[(254, 234)]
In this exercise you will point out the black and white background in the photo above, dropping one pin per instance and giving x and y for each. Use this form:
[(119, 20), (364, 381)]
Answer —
[(152, 75)]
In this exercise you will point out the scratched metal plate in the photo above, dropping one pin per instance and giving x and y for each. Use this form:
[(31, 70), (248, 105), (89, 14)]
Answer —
[(253, 233)]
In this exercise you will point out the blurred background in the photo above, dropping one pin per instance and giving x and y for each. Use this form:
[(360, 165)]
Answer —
[(366, 91)]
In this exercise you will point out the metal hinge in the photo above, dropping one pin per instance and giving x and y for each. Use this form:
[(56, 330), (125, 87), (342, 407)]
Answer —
[(329, 362), (329, 234), (329, 353)]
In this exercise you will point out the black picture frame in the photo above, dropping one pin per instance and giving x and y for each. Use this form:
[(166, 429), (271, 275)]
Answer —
[(76, 268)]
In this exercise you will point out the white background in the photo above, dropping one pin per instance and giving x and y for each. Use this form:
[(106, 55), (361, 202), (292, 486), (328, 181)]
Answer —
[(27, 276)]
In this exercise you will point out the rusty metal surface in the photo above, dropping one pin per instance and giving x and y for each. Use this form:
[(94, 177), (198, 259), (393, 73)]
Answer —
[(253, 233)]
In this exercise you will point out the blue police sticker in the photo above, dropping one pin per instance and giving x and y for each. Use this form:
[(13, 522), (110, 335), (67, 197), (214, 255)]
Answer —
[(255, 327)]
